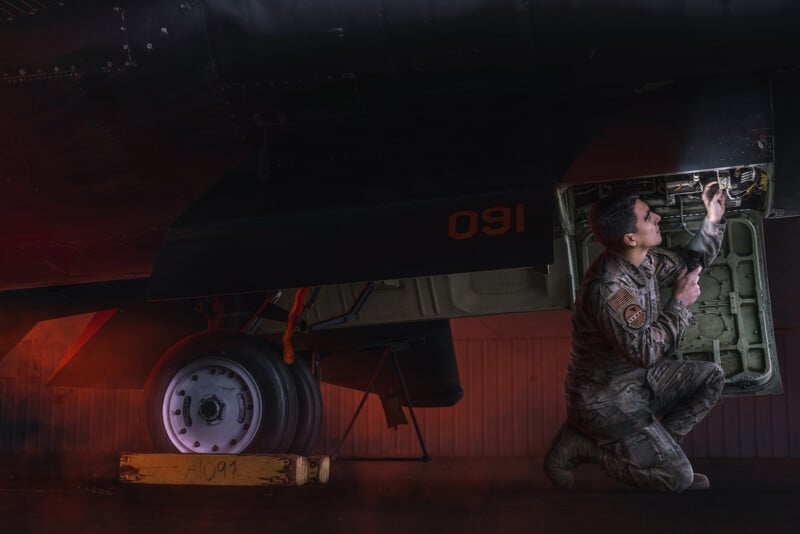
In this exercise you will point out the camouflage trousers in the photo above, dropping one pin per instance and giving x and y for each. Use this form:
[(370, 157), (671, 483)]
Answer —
[(640, 435)]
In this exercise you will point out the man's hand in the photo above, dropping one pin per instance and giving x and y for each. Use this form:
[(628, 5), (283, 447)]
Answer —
[(686, 288), (714, 199)]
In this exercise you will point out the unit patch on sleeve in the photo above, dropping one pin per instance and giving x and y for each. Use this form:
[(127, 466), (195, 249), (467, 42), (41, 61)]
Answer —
[(621, 299), (635, 316)]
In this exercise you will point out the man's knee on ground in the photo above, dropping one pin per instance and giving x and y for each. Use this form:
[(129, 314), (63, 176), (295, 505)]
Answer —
[(682, 477), (657, 462), (674, 478)]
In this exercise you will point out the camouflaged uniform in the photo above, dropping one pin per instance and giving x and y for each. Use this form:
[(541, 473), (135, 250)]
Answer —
[(620, 389)]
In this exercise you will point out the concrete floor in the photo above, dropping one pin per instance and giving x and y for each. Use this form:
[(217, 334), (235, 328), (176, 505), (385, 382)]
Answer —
[(80, 493)]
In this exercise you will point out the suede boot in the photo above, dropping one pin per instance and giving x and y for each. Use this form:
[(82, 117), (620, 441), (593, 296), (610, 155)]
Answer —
[(700, 482), (569, 448)]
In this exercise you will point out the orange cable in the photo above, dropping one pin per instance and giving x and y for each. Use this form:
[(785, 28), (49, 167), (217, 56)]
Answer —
[(299, 300)]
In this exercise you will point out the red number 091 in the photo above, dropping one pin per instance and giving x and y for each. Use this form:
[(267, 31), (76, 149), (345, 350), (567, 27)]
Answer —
[(493, 221)]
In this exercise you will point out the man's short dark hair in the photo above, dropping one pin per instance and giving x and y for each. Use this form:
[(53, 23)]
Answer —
[(612, 217)]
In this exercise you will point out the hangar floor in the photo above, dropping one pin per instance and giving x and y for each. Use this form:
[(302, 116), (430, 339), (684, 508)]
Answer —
[(79, 493)]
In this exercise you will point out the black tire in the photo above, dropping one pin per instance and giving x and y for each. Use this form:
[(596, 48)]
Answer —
[(222, 392), (309, 402)]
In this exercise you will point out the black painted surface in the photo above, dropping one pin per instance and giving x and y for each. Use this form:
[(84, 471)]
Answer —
[(786, 108), (368, 242)]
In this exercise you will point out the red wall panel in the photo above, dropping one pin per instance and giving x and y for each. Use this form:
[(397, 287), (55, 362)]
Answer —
[(37, 418), (512, 370)]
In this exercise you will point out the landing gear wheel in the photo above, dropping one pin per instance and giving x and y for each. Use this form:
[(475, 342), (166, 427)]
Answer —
[(309, 401), (220, 392)]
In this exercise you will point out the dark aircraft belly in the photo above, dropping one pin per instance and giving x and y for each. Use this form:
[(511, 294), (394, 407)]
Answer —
[(92, 175), (112, 122)]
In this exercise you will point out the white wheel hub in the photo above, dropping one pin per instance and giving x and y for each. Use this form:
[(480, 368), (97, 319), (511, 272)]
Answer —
[(212, 405)]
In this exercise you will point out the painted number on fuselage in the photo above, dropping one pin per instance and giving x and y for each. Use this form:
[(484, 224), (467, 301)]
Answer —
[(494, 221)]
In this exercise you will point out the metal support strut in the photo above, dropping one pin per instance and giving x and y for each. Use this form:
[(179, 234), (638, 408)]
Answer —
[(389, 351)]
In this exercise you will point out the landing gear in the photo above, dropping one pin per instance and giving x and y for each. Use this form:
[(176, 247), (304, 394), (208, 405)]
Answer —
[(227, 392)]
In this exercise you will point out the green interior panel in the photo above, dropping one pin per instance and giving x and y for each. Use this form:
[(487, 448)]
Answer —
[(733, 318)]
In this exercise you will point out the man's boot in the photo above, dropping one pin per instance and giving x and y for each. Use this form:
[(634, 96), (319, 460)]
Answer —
[(569, 448), (699, 482)]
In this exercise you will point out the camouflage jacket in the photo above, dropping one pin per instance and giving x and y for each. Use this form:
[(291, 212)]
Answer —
[(619, 326)]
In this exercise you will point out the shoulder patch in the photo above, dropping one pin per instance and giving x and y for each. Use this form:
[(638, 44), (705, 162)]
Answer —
[(634, 316), (621, 299)]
